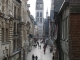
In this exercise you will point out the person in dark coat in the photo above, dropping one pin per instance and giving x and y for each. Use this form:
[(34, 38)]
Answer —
[(53, 57), (44, 47), (38, 43), (40, 46), (36, 58), (33, 57)]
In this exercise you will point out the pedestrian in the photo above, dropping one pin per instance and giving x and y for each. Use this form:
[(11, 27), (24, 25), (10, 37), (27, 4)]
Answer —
[(33, 57), (38, 43), (51, 49), (44, 48), (53, 57), (36, 58), (40, 46)]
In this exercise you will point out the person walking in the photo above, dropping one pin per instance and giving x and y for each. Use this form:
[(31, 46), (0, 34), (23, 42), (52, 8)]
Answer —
[(53, 57), (38, 44), (50, 50), (36, 58), (33, 57), (44, 48)]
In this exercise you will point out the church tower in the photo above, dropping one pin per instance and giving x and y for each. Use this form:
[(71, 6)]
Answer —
[(39, 17)]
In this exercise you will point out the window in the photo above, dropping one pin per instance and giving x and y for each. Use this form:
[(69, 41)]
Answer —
[(18, 28), (2, 5), (18, 44), (40, 19), (37, 19), (14, 11), (18, 13), (62, 30), (66, 25), (41, 6), (14, 27), (65, 28), (6, 6), (37, 14), (6, 3), (14, 45), (7, 35), (2, 35), (37, 6), (40, 14)]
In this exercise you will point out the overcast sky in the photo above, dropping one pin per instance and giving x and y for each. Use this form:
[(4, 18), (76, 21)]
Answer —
[(47, 5)]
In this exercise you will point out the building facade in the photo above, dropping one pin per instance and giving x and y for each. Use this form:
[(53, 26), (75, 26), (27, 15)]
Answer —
[(46, 26), (35, 30), (39, 17), (13, 31), (9, 20), (68, 30), (24, 26), (52, 21), (31, 32)]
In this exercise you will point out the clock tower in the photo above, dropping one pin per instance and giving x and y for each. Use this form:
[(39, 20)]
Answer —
[(39, 17)]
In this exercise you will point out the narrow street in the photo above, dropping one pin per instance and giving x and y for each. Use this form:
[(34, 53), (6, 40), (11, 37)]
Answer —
[(39, 52)]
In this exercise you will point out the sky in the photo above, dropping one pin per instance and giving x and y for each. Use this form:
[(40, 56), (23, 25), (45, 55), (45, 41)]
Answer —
[(47, 6)]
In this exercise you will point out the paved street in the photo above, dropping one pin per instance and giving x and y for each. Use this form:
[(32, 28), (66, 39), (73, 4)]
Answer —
[(39, 52)]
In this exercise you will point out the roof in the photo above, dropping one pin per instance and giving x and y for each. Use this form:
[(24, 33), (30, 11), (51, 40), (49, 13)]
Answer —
[(57, 5)]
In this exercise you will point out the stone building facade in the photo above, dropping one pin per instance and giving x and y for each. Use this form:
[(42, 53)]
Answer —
[(13, 29), (39, 17), (7, 29), (31, 32)]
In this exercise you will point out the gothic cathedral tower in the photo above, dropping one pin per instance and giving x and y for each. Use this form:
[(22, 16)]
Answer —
[(39, 17)]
